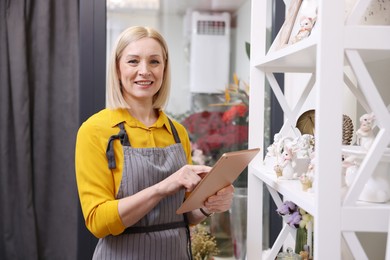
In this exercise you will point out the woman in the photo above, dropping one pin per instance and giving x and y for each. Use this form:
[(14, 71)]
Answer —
[(133, 163)]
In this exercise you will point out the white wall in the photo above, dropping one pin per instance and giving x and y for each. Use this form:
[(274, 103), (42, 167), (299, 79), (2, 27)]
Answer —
[(240, 60), (172, 27)]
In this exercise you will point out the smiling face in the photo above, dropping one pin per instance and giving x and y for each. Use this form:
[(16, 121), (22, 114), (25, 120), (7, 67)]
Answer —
[(141, 70)]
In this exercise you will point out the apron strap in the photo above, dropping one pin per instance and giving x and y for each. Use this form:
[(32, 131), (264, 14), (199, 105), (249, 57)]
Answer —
[(154, 228), (160, 227), (122, 136), (174, 131), (189, 245)]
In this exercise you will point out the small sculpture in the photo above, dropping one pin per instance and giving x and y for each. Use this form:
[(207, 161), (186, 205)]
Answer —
[(306, 25), (272, 150), (286, 164), (304, 146), (365, 135), (306, 181), (377, 187), (351, 169), (309, 177)]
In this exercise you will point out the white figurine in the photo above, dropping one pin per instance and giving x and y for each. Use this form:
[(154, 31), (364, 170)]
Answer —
[(272, 150), (286, 164), (304, 146), (351, 169), (377, 187), (365, 135), (306, 25), (311, 172)]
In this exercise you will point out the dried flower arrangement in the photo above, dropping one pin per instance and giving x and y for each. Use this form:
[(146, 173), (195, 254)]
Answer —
[(203, 244)]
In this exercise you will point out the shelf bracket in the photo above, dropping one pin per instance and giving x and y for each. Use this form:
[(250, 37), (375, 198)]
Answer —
[(291, 115), (354, 245), (356, 92), (286, 230)]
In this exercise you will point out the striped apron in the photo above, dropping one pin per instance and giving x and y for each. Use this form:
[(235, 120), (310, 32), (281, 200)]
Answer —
[(161, 233)]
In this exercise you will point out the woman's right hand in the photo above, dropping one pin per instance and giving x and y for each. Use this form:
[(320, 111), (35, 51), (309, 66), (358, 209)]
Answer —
[(186, 177)]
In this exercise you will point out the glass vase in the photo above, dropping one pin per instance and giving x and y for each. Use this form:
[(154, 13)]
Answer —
[(238, 222), (300, 240)]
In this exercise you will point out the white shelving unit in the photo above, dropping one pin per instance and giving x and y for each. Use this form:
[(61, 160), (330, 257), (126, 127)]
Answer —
[(336, 42)]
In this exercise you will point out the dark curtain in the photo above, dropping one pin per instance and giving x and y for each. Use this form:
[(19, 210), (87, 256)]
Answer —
[(39, 78)]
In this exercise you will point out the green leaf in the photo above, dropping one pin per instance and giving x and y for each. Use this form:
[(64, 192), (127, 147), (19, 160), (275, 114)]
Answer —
[(248, 49)]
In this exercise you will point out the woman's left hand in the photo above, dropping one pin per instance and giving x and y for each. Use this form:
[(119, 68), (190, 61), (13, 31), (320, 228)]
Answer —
[(221, 201)]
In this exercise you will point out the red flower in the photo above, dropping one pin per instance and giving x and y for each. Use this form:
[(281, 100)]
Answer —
[(203, 123), (216, 132), (235, 111)]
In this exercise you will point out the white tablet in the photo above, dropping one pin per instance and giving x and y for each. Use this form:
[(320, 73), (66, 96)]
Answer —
[(224, 172)]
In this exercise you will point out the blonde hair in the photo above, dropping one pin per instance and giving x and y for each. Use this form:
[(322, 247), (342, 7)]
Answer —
[(114, 91)]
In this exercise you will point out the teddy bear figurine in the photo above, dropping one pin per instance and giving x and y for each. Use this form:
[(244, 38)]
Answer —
[(306, 25)]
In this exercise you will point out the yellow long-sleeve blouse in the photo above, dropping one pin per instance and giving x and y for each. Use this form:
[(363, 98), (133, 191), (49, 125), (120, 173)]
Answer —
[(97, 184)]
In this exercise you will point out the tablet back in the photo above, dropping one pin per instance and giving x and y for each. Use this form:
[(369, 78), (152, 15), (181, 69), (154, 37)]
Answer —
[(225, 172)]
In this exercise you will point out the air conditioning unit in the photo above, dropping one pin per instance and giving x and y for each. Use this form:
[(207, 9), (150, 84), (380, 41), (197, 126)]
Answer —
[(210, 52)]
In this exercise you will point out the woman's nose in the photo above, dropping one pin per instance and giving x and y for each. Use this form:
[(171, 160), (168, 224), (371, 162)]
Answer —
[(144, 69)]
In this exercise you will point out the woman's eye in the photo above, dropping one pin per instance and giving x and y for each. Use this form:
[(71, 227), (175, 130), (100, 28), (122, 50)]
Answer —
[(155, 62), (133, 61)]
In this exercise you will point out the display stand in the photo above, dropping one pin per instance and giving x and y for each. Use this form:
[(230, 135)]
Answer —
[(335, 43)]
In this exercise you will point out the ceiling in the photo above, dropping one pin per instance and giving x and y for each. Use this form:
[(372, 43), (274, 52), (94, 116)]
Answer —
[(181, 6), (173, 6)]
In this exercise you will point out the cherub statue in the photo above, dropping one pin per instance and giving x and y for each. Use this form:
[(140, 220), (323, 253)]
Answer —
[(365, 134)]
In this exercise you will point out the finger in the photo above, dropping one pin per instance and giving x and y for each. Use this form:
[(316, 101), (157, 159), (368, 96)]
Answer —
[(226, 190), (190, 181), (215, 200), (221, 207), (198, 169), (202, 174), (223, 194)]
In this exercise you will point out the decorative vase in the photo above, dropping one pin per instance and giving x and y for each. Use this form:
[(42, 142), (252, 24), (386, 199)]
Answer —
[(220, 229), (300, 240)]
